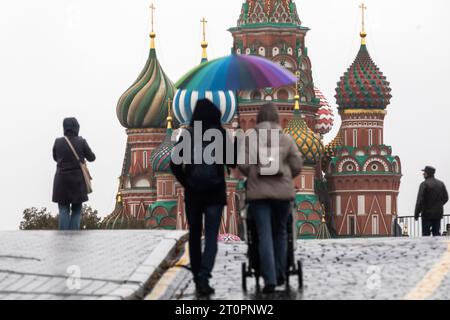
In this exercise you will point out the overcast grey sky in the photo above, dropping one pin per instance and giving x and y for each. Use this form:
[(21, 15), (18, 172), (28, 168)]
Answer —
[(62, 58)]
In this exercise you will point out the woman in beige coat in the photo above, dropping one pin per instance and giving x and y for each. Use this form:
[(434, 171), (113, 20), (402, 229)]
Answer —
[(270, 191)]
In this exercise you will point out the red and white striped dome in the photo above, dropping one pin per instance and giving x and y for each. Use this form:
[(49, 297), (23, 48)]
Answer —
[(325, 115)]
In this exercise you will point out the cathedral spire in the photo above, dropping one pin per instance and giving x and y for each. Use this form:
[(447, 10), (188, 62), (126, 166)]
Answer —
[(152, 32), (169, 114), (297, 94), (363, 32), (204, 42)]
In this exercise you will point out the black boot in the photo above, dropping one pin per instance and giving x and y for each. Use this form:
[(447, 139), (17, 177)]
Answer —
[(203, 288)]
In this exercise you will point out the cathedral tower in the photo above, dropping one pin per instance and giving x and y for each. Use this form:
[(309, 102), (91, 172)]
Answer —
[(142, 111), (273, 29), (362, 173)]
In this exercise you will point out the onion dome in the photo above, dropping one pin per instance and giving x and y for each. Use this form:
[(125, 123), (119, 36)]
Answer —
[(118, 219), (324, 116), (309, 143), (142, 105), (160, 158), (269, 11), (363, 86), (338, 141), (186, 100)]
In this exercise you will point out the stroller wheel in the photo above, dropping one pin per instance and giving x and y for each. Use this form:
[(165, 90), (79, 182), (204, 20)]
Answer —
[(244, 277), (300, 275)]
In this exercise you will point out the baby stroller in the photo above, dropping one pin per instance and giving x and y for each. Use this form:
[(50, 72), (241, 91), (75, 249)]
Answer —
[(252, 268)]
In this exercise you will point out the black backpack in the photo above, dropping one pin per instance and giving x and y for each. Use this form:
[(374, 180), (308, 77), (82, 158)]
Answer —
[(203, 177)]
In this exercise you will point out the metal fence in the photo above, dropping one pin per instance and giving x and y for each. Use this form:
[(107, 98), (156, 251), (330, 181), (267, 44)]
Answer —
[(408, 226)]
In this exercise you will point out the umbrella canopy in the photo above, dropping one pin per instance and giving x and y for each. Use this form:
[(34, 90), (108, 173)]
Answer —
[(236, 72)]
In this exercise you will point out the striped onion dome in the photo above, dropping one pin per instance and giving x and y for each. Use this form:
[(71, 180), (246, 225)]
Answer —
[(160, 158), (185, 101), (309, 144), (363, 86), (143, 104), (325, 115)]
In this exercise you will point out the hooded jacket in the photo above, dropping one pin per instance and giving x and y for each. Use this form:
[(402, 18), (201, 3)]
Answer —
[(69, 185), (269, 185), (209, 116), (431, 199)]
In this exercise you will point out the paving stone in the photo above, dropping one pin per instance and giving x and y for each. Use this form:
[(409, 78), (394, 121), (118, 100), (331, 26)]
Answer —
[(41, 263), (344, 269)]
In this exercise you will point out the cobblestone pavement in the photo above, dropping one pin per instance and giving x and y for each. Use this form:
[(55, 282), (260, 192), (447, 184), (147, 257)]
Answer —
[(81, 265), (353, 269)]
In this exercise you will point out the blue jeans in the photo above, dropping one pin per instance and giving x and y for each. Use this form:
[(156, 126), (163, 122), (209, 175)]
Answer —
[(271, 218), (69, 220), (203, 264)]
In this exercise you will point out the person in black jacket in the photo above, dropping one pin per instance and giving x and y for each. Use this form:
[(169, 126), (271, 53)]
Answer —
[(204, 192), (69, 187), (430, 203)]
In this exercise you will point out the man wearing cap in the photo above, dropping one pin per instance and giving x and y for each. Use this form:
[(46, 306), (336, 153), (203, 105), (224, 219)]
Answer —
[(430, 203)]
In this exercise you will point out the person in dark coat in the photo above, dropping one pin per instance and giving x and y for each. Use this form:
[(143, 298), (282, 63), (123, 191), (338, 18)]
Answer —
[(69, 187), (430, 203), (203, 201)]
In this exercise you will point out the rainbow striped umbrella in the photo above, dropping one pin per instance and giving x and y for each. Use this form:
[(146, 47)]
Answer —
[(236, 72)]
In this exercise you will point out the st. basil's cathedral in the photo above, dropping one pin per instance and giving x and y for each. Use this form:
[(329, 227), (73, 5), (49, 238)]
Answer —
[(349, 186)]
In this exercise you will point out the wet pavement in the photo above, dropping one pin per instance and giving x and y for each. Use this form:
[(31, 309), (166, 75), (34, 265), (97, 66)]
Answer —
[(351, 269), (81, 265)]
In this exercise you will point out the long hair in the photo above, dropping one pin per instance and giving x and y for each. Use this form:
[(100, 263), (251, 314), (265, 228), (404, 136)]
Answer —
[(208, 114)]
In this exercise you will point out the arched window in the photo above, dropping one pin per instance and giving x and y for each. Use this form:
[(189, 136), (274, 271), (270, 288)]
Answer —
[(275, 51), (370, 137), (282, 94), (256, 95), (355, 138), (262, 51)]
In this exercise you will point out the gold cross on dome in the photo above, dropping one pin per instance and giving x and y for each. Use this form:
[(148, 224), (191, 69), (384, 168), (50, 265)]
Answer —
[(152, 9), (363, 9), (204, 22)]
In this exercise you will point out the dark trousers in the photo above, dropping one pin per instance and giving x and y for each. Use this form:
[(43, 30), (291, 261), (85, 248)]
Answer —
[(271, 218), (431, 226), (203, 264)]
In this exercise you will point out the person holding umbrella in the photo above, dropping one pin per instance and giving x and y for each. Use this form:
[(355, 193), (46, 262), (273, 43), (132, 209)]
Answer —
[(246, 72), (204, 189)]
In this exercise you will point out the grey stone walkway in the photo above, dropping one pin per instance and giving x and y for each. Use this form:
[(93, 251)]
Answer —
[(354, 269), (81, 265)]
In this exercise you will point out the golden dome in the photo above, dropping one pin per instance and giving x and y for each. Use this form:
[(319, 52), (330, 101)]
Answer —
[(309, 144)]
